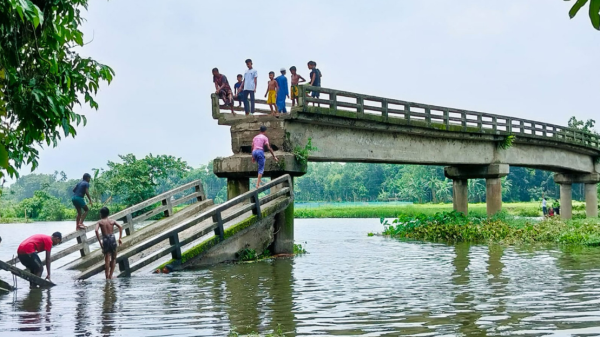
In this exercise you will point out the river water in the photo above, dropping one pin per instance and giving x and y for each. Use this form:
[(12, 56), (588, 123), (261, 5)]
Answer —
[(348, 285)]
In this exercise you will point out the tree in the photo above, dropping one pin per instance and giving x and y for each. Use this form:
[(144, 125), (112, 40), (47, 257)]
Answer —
[(42, 78), (135, 180), (587, 126), (594, 11)]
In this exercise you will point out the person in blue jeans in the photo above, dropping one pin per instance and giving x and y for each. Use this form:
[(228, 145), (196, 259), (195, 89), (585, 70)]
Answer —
[(81, 190), (259, 143), (249, 85)]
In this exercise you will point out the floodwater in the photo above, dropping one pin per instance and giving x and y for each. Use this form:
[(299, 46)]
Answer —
[(348, 285)]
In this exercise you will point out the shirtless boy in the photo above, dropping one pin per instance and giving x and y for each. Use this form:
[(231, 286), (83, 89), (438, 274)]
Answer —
[(296, 79), (272, 88), (108, 244)]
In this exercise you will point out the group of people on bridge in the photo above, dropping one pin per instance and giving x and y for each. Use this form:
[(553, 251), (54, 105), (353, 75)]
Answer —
[(277, 88)]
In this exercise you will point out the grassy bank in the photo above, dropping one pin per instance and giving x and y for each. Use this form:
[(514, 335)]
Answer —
[(454, 227), (520, 209)]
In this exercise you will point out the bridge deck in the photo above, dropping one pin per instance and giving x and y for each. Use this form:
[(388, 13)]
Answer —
[(349, 105), (140, 235), (187, 232)]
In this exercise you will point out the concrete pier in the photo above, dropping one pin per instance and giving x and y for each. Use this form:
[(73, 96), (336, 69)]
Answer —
[(591, 192), (591, 200), (460, 195), (491, 173), (493, 195), (237, 186), (566, 201)]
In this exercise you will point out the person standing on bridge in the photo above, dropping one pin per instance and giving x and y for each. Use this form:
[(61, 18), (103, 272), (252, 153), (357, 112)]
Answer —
[(296, 80), (282, 92), (28, 249), (259, 143), (315, 79), (223, 89), (108, 244), (81, 190), (250, 79)]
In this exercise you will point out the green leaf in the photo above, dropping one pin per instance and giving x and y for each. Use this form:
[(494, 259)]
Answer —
[(65, 125), (595, 13), (3, 157), (576, 7)]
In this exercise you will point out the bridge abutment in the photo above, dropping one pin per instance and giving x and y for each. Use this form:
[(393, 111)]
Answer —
[(566, 180), (491, 173)]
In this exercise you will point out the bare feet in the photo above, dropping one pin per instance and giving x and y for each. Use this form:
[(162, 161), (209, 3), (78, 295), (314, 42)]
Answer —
[(80, 226)]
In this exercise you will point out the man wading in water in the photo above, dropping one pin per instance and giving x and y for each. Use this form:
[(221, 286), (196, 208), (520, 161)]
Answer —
[(108, 244), (258, 152)]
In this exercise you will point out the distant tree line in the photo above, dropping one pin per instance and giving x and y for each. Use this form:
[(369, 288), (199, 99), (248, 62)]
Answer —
[(132, 180)]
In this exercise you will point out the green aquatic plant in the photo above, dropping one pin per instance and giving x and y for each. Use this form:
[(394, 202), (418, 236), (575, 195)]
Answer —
[(456, 227), (298, 249), (247, 254)]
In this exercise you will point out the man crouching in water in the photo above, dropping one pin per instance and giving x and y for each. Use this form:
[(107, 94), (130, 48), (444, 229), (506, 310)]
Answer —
[(108, 244)]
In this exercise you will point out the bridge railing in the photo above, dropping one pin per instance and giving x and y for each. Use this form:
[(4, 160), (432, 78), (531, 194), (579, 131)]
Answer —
[(260, 106), (395, 111), (250, 201), (129, 216)]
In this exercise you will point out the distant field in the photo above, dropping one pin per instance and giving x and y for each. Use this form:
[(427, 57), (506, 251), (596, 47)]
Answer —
[(377, 210)]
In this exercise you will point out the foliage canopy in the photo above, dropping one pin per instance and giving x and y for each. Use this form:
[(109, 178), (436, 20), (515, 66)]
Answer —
[(42, 77), (594, 11)]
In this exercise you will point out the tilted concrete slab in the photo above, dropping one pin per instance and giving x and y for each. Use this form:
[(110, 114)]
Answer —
[(97, 257)]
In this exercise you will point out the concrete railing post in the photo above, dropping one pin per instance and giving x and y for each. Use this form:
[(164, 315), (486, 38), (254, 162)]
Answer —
[(460, 195), (566, 201), (591, 200)]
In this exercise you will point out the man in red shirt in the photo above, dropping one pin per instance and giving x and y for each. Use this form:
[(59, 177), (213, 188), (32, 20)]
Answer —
[(28, 249)]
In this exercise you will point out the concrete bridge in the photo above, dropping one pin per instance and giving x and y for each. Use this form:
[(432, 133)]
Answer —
[(351, 127)]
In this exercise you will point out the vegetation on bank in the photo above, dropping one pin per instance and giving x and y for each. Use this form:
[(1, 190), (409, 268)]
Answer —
[(381, 210), (452, 227)]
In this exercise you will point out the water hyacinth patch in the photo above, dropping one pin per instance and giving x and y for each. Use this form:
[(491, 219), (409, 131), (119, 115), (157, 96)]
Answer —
[(455, 227)]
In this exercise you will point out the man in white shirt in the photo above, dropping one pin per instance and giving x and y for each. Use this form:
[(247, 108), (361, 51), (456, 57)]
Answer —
[(249, 85)]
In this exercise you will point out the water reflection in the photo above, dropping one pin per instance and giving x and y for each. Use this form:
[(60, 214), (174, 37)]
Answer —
[(31, 317), (108, 308)]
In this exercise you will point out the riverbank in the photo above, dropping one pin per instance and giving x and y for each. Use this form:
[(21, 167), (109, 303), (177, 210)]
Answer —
[(368, 210), (379, 210), (453, 227)]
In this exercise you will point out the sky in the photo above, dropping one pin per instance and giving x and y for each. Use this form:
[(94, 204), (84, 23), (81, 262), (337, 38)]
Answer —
[(512, 57)]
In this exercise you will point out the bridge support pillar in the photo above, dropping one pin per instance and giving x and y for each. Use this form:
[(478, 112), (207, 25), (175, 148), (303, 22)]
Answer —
[(566, 201), (492, 173), (493, 195), (591, 200), (460, 195), (237, 186), (284, 228), (591, 192)]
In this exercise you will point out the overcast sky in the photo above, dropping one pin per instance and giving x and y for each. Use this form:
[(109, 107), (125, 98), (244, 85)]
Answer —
[(512, 57)]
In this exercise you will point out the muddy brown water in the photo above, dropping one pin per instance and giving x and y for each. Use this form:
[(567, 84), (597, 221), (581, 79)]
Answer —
[(348, 285)]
